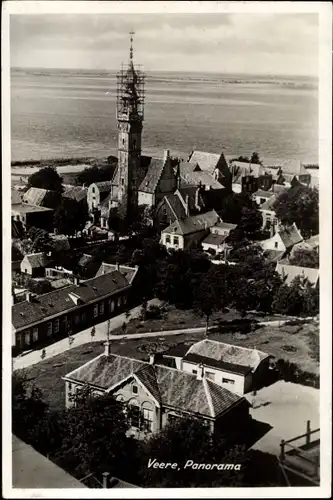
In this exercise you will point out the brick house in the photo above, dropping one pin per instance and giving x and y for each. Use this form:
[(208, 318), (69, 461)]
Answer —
[(69, 309), (158, 394)]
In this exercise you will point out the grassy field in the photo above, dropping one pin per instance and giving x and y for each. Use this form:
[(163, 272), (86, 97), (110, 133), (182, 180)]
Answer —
[(298, 344)]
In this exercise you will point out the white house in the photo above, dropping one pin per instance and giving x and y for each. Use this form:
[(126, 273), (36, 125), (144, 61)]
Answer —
[(236, 368), (261, 196), (181, 233), (288, 273), (216, 239), (283, 240), (97, 192)]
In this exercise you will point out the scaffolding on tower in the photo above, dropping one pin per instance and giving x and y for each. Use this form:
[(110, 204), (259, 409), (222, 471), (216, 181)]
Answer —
[(131, 90)]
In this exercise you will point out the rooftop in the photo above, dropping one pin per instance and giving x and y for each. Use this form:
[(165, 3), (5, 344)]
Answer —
[(37, 196), (60, 301), (168, 386), (268, 205), (226, 353), (24, 208), (214, 239), (193, 224), (206, 161), (77, 193), (153, 175), (288, 273), (37, 260), (127, 271), (263, 194), (290, 236)]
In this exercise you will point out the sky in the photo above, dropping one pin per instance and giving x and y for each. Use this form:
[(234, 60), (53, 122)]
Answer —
[(284, 44)]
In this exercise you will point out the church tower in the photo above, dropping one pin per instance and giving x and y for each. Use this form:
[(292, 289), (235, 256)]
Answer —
[(130, 115)]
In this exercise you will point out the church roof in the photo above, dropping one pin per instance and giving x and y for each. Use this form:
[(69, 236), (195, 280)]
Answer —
[(152, 177)]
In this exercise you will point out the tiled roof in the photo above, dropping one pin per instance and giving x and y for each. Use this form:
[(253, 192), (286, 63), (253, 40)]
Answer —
[(278, 188), (77, 193), (273, 255), (313, 241), (206, 161), (288, 166), (288, 273), (59, 301), (193, 224), (195, 178), (170, 387), (24, 208), (176, 206), (153, 175), (16, 196), (214, 239), (228, 353), (290, 236), (103, 186), (36, 196), (37, 260), (268, 205), (263, 194), (222, 365), (225, 225), (128, 272)]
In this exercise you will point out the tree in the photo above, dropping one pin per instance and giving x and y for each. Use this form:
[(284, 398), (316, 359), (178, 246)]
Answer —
[(97, 173), (16, 253), (70, 216), (28, 408), (255, 158), (95, 436), (299, 205), (46, 178), (299, 298), (305, 258), (40, 241), (39, 287)]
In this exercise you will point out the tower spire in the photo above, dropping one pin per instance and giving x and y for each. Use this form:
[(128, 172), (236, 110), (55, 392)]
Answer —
[(131, 46)]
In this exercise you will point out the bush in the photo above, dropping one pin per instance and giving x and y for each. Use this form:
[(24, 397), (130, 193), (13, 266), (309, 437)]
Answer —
[(153, 312), (291, 372)]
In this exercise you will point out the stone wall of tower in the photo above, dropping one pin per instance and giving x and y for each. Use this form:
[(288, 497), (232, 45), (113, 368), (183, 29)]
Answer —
[(129, 153)]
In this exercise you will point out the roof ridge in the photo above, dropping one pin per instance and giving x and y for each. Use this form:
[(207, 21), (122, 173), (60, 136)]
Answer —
[(208, 396)]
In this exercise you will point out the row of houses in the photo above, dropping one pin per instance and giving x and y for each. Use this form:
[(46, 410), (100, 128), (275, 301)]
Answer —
[(72, 308)]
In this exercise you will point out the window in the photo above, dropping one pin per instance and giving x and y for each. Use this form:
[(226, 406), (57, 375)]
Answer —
[(93, 189), (56, 325), (175, 240), (134, 414), (35, 335), (275, 244), (119, 302), (49, 328), (123, 141), (69, 387), (101, 308), (27, 338), (76, 319), (111, 305), (134, 389), (95, 311), (227, 381), (122, 181), (167, 238), (125, 299), (210, 375), (147, 420), (195, 372), (262, 200)]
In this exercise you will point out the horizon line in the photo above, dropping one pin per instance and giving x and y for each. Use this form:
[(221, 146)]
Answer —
[(316, 77)]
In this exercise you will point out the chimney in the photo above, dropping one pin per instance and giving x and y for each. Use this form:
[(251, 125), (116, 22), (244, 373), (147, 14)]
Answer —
[(200, 374), (152, 359), (105, 479), (28, 296), (117, 266), (166, 155), (107, 350), (187, 206)]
